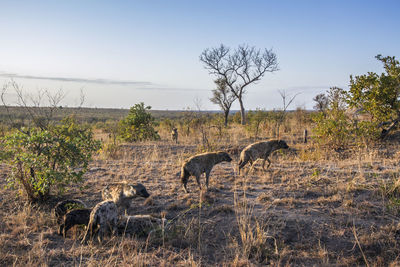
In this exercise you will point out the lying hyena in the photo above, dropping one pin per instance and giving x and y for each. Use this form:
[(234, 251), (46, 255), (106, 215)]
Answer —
[(260, 150), (202, 163), (103, 219), (139, 225), (123, 193)]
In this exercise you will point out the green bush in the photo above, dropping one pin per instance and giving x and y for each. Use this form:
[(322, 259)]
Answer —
[(378, 96), (366, 133), (333, 126), (138, 125), (332, 129), (42, 158)]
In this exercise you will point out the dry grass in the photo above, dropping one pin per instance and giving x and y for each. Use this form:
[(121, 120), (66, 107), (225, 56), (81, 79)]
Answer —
[(312, 207)]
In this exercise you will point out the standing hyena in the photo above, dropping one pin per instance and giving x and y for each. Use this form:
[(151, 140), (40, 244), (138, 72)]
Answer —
[(65, 206), (202, 163), (103, 219), (74, 217), (174, 135), (260, 150), (123, 193)]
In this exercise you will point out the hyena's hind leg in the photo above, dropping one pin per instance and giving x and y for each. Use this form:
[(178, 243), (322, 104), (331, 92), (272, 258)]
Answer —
[(269, 163), (197, 175), (207, 178)]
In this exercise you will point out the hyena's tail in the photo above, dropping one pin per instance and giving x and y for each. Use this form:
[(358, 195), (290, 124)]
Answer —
[(89, 230)]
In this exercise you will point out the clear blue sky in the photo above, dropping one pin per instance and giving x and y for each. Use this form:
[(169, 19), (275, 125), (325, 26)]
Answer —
[(155, 45)]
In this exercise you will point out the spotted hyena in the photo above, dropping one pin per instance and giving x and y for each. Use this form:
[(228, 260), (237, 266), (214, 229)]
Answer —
[(123, 193), (260, 150), (103, 220), (139, 225), (174, 135), (202, 163), (74, 217), (64, 206)]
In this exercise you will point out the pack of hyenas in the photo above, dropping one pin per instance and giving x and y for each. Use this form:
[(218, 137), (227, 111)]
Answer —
[(106, 218)]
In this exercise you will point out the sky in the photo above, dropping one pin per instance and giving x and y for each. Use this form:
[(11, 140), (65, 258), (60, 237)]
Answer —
[(119, 53)]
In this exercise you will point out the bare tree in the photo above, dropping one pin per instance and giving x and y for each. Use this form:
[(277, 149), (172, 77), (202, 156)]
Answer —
[(286, 99), (286, 102), (38, 111), (41, 107), (200, 122), (244, 66), (223, 97)]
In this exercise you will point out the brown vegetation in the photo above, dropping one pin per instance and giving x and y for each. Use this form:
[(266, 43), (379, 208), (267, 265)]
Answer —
[(313, 206)]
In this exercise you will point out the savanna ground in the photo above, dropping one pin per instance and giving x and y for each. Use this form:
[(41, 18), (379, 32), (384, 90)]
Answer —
[(312, 207)]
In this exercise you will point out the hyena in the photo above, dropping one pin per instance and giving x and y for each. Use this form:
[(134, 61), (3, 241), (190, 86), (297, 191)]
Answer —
[(123, 193), (72, 218), (202, 163), (64, 206), (260, 150), (174, 135), (103, 219), (139, 225)]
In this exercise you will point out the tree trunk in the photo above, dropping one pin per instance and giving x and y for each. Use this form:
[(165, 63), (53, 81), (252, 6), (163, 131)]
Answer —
[(242, 112), (226, 115), (25, 183)]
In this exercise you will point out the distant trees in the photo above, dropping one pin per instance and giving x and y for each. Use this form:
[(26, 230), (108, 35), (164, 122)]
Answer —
[(321, 102), (239, 68), (223, 97)]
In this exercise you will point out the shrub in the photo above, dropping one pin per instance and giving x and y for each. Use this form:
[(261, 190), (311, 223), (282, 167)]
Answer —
[(255, 120), (275, 118), (236, 118), (333, 127), (42, 158), (138, 125), (167, 124), (218, 122)]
